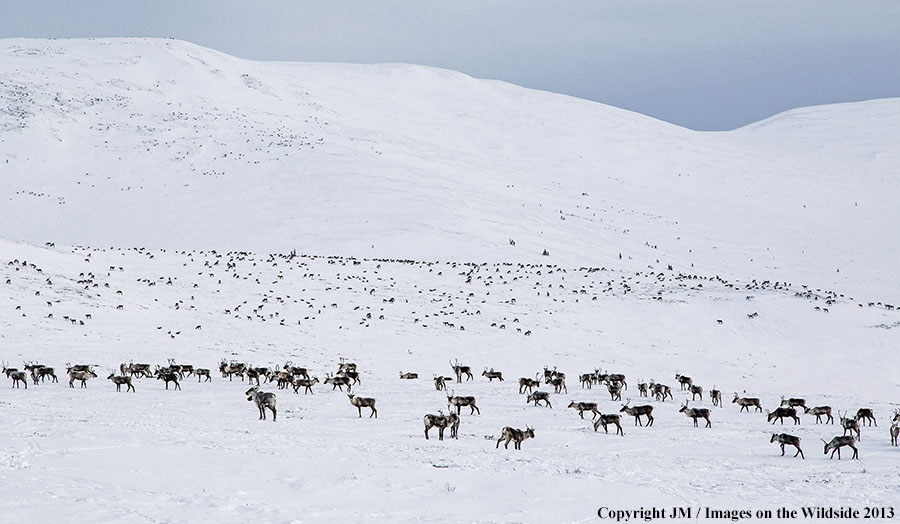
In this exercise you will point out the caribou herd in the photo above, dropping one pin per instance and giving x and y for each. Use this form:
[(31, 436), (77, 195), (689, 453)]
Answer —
[(347, 375)]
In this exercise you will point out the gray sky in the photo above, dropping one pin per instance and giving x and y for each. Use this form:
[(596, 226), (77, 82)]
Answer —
[(702, 64)]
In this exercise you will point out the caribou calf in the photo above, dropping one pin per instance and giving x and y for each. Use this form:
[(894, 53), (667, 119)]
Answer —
[(780, 413), (361, 402), (118, 381), (696, 413), (837, 443), (789, 440), (516, 436), (581, 407), (263, 401), (637, 412), (819, 411)]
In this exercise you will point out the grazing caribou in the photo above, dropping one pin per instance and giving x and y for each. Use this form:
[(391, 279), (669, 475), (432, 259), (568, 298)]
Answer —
[(118, 381), (516, 436), (746, 402), (789, 440), (780, 413), (818, 411), (696, 413), (637, 412), (581, 407), (263, 401), (338, 383), (461, 402), (606, 420), (837, 443), (491, 375), (362, 402)]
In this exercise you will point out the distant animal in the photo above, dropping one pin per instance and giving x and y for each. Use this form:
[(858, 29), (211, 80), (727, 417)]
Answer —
[(581, 407), (306, 383), (538, 396), (637, 412), (442, 422), (491, 375), (408, 376), (528, 384), (361, 402), (780, 413), (684, 381), (837, 443), (819, 411), (461, 370), (605, 420), (793, 402), (82, 376), (696, 413), (715, 396), (746, 402), (460, 402), (866, 415), (120, 380), (516, 436)]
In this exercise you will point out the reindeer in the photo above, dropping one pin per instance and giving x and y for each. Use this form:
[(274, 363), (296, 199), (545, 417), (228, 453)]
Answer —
[(351, 375), (305, 383), (637, 412), (696, 413), (460, 371), (440, 382), (263, 401), (685, 382), (8, 371), (849, 424), (282, 378), (408, 376), (516, 436), (780, 413), (118, 381), (696, 390), (293, 370), (587, 379), (617, 377), (818, 411), (338, 383), (442, 422), (661, 391), (642, 388), (461, 402), (746, 402), (538, 396), (837, 443), (42, 373), (559, 383), (202, 372), (19, 376), (606, 420), (491, 375), (584, 406), (529, 384), (793, 402), (168, 376), (252, 374), (615, 390), (141, 370), (361, 402), (345, 366), (895, 431), (716, 396), (789, 440), (866, 414), (231, 369), (82, 376)]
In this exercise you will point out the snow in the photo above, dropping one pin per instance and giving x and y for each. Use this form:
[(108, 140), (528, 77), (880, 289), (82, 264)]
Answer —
[(155, 152)]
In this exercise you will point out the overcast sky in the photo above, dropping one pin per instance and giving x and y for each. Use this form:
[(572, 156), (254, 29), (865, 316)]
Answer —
[(701, 64)]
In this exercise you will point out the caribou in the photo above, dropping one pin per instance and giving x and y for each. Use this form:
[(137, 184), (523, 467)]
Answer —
[(789, 440), (362, 402), (715, 396), (605, 420), (338, 383), (695, 391), (696, 413), (516, 436), (537, 396), (460, 402), (581, 407), (837, 443), (263, 401), (120, 380), (408, 376), (82, 376), (793, 402), (440, 382), (491, 375), (637, 412), (866, 414), (168, 376), (780, 413), (202, 372), (306, 383), (746, 402), (661, 391), (442, 422), (642, 388), (529, 384), (819, 411), (849, 424), (684, 381), (461, 370)]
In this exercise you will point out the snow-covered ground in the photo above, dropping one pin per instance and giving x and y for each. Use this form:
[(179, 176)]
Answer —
[(156, 153)]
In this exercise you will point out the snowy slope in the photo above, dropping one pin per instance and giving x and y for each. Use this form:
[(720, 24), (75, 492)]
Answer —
[(166, 174), (163, 143)]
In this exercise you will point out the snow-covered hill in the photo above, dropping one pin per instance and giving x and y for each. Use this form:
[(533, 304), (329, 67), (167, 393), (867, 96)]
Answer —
[(167, 144), (151, 190)]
